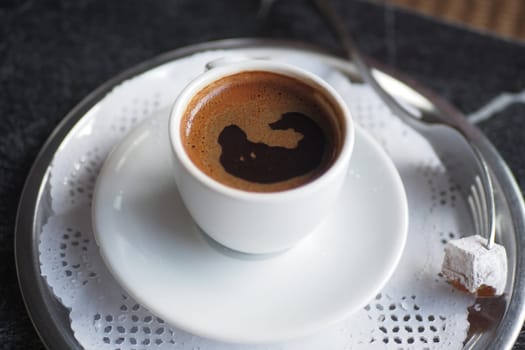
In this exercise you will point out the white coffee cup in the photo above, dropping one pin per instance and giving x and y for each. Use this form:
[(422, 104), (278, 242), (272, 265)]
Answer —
[(255, 222)]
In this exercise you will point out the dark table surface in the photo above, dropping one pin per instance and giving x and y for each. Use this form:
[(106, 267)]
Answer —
[(54, 52)]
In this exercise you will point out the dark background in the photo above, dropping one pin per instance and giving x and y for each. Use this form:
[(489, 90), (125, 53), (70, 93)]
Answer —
[(53, 53)]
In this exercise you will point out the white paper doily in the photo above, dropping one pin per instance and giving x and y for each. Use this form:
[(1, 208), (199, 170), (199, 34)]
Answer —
[(416, 310)]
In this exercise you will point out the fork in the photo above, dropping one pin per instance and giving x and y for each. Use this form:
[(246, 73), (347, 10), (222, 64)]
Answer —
[(462, 159)]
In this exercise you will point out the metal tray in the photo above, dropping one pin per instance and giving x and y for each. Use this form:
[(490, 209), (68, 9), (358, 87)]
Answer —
[(51, 319)]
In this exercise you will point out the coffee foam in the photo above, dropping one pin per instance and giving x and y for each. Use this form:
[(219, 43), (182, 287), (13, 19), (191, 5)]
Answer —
[(252, 101)]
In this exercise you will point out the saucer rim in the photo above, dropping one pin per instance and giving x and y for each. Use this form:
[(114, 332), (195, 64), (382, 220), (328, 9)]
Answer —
[(361, 137)]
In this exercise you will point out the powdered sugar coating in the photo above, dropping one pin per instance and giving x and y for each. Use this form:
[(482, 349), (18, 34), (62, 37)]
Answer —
[(468, 262)]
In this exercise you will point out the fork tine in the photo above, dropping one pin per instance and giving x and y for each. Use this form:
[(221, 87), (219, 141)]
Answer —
[(479, 207), (483, 206), (487, 188), (476, 211), (477, 200)]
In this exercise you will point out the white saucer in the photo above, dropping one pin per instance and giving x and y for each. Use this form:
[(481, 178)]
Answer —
[(155, 251)]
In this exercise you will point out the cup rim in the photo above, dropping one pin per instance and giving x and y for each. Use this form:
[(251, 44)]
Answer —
[(251, 65)]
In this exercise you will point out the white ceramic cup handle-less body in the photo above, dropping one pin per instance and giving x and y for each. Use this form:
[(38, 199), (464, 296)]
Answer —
[(253, 222)]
